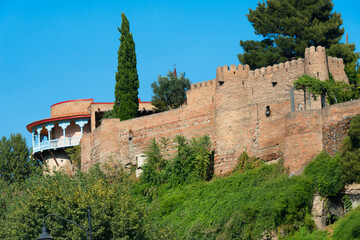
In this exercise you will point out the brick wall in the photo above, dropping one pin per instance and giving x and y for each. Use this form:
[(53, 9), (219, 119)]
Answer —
[(334, 133), (231, 109), (122, 141), (310, 132), (70, 108)]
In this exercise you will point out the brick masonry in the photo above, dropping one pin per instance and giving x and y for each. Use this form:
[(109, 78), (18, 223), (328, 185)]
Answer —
[(233, 110)]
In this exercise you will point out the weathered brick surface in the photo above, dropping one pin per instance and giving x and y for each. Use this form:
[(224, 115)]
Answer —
[(71, 108), (309, 132), (232, 110), (117, 140)]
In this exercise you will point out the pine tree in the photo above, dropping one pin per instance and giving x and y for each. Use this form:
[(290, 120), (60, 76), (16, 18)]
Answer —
[(170, 91), (288, 27), (127, 82)]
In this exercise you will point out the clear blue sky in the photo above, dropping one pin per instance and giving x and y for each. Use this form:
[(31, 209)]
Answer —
[(52, 51)]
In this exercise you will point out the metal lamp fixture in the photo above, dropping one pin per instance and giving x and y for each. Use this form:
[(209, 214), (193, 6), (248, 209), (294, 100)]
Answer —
[(46, 236)]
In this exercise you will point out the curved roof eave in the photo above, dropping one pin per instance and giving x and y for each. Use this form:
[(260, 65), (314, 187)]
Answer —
[(55, 119)]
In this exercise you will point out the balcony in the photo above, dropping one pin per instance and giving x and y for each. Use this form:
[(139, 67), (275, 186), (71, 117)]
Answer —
[(56, 143), (59, 134)]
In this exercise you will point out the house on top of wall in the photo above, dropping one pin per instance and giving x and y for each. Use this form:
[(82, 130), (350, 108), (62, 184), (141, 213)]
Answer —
[(68, 122)]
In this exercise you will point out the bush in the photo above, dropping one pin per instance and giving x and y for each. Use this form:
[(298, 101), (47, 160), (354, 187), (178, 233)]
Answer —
[(241, 206), (245, 163), (326, 174), (190, 162), (115, 213), (305, 234), (348, 227)]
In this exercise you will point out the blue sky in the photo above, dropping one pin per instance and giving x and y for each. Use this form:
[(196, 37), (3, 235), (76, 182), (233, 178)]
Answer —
[(52, 51)]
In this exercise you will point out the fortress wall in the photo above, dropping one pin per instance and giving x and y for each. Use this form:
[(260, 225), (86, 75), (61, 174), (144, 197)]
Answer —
[(122, 141), (232, 73), (98, 107), (316, 62), (201, 93), (303, 139), (85, 151), (309, 132), (336, 123), (231, 116), (271, 88), (336, 68)]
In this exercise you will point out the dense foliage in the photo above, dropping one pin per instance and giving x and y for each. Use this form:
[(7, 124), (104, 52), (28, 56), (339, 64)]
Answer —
[(326, 174), (333, 91), (169, 91), (178, 198), (127, 82), (241, 206), (165, 168), (16, 164), (350, 152), (288, 27), (115, 214)]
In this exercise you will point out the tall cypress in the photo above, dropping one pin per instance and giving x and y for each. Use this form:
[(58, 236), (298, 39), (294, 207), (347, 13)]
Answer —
[(127, 82)]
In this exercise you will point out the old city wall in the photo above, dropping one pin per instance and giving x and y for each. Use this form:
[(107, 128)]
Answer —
[(241, 101), (310, 132), (255, 111), (123, 141)]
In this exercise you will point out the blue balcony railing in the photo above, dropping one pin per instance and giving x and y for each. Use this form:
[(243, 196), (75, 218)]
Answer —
[(56, 143)]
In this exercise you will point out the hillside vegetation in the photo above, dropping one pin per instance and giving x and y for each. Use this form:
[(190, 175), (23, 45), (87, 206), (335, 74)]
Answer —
[(177, 197)]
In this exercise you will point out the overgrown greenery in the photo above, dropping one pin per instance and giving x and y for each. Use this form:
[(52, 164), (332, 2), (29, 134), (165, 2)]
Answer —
[(177, 197), (115, 214), (165, 168), (127, 82), (169, 91), (333, 91), (74, 154), (288, 27), (241, 206), (16, 163)]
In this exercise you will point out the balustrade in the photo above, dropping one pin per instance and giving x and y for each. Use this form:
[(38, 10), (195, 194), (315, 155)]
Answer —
[(64, 141)]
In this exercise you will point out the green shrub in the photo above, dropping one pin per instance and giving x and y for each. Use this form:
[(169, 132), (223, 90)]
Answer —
[(304, 234), (245, 163), (115, 213), (348, 227), (241, 206), (190, 162), (350, 152), (326, 174)]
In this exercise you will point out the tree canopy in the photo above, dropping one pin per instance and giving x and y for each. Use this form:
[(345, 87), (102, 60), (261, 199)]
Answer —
[(170, 91), (127, 82), (288, 27), (16, 164)]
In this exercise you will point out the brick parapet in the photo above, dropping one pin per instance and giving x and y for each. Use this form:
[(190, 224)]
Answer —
[(336, 68), (70, 108), (201, 93)]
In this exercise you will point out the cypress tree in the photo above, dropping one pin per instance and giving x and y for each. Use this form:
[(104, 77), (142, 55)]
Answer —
[(127, 82)]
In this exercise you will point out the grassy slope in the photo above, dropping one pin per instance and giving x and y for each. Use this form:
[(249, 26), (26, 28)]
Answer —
[(242, 206)]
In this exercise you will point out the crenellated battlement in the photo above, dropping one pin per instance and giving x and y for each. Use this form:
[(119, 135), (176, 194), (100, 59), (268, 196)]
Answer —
[(202, 84), (288, 65), (201, 93), (233, 67), (335, 60), (314, 49)]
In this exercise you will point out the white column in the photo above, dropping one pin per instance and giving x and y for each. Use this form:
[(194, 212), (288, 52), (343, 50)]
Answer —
[(32, 138), (38, 133), (81, 123), (48, 128), (64, 125)]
